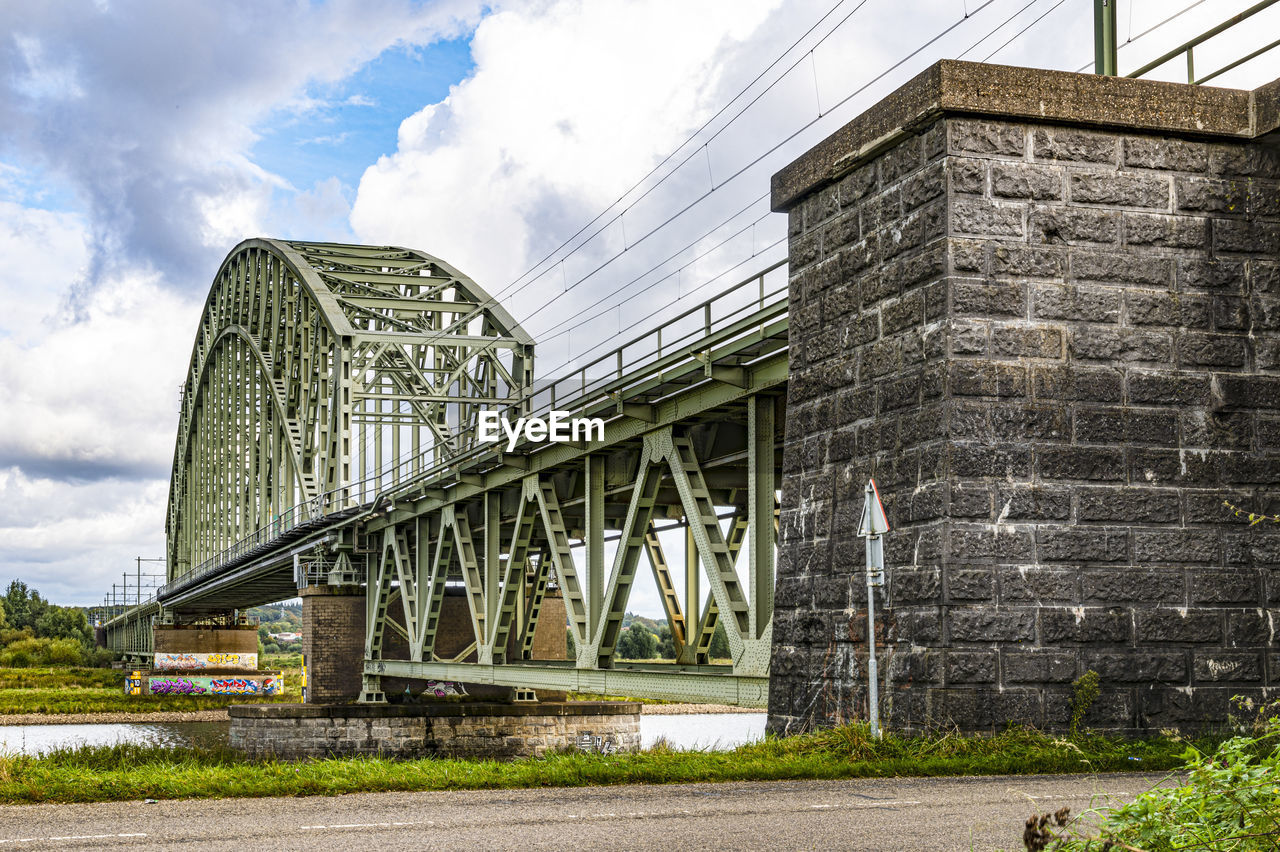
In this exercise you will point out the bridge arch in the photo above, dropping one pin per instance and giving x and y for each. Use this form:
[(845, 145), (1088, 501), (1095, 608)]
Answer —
[(322, 373)]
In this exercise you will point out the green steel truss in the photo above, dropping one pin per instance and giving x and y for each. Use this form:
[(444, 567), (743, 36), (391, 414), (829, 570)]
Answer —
[(321, 375), (328, 435)]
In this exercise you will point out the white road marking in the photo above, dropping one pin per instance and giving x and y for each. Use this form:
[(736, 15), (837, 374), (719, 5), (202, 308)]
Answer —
[(71, 837), (364, 825), (862, 806), (1081, 796)]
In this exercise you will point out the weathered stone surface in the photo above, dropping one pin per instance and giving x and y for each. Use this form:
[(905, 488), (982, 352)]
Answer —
[(1055, 396), (475, 730)]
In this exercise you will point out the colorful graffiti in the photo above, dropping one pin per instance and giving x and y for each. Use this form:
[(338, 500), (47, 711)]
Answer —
[(175, 686), (215, 686), (443, 688), (195, 662)]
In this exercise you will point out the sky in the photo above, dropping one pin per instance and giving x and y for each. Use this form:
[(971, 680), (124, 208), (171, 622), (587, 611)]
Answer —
[(526, 143)]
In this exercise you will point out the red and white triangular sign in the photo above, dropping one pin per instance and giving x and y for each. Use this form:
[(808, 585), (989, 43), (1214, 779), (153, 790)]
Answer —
[(873, 520)]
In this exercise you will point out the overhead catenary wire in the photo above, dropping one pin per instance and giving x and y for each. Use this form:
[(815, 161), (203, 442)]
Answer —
[(1020, 32), (682, 145), (761, 157), (566, 324), (493, 299), (705, 149)]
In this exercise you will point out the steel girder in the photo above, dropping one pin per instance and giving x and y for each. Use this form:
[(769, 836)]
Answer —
[(712, 467), (322, 375)]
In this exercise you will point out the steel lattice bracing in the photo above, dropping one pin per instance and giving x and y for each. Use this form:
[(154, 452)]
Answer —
[(328, 437), (321, 376), (691, 444)]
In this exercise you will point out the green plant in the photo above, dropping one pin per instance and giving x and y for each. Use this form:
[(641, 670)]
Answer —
[(1230, 800), (124, 773), (1084, 691)]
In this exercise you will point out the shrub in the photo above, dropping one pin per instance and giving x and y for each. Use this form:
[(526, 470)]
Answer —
[(99, 658), (63, 652), (1084, 691), (1230, 800), (45, 652)]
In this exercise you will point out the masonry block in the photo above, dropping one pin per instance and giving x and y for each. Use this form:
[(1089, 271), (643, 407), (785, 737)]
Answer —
[(333, 633), (1056, 377)]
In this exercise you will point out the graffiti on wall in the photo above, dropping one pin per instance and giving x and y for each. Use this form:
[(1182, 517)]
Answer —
[(596, 744), (442, 688), (195, 662), (215, 686)]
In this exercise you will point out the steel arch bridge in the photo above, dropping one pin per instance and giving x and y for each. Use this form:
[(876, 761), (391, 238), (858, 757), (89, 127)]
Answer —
[(321, 375), (328, 434)]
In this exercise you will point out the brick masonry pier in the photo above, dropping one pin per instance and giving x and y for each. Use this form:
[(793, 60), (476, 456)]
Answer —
[(1043, 310), (445, 729)]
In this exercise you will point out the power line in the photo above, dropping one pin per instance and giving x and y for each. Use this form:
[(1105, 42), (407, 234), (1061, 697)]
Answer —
[(691, 137), (1019, 33), (703, 148), (760, 158)]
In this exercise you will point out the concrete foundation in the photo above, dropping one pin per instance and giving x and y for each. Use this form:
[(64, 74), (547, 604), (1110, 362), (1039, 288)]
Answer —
[(1043, 311), (204, 683), (333, 624), (199, 646), (453, 729)]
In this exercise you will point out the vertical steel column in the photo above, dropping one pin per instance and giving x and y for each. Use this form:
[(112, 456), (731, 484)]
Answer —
[(1104, 37), (492, 567), (760, 487), (692, 579), (594, 498)]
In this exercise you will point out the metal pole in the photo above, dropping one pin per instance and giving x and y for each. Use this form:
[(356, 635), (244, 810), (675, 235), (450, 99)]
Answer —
[(873, 526), (875, 577), (1104, 37)]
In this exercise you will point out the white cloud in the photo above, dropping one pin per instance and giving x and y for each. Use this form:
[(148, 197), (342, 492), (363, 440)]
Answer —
[(147, 113), (136, 125), (569, 104)]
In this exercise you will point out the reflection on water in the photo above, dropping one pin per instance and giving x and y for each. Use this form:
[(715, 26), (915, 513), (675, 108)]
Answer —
[(32, 739), (707, 731), (699, 731)]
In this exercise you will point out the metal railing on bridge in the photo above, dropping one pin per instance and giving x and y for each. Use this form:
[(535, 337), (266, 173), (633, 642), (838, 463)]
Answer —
[(1106, 47), (739, 311)]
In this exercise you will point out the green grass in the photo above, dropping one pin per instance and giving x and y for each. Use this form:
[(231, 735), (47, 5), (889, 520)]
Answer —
[(88, 700), (288, 663), (60, 678), (59, 691), (128, 772)]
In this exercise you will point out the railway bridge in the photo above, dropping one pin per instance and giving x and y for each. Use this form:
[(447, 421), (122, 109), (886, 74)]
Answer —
[(1039, 308)]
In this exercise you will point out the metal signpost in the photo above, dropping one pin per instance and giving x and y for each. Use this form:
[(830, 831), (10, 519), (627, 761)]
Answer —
[(872, 527)]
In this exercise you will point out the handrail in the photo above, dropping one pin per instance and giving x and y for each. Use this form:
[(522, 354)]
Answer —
[(767, 304), (1189, 47)]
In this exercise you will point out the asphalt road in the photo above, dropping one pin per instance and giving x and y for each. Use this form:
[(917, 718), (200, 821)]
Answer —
[(896, 814)]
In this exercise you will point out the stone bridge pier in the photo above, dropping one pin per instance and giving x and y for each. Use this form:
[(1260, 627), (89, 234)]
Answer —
[(1043, 311)]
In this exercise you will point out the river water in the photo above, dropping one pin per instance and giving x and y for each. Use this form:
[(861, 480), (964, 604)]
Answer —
[(708, 731)]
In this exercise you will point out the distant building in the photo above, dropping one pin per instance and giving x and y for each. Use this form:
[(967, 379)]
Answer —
[(285, 637)]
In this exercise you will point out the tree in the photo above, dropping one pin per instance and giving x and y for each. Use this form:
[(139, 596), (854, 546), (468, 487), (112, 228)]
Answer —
[(637, 643), (23, 605), (64, 622), (666, 642), (719, 649)]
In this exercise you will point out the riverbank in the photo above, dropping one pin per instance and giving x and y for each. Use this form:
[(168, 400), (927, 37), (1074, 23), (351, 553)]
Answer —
[(133, 772), (214, 715), (219, 714)]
